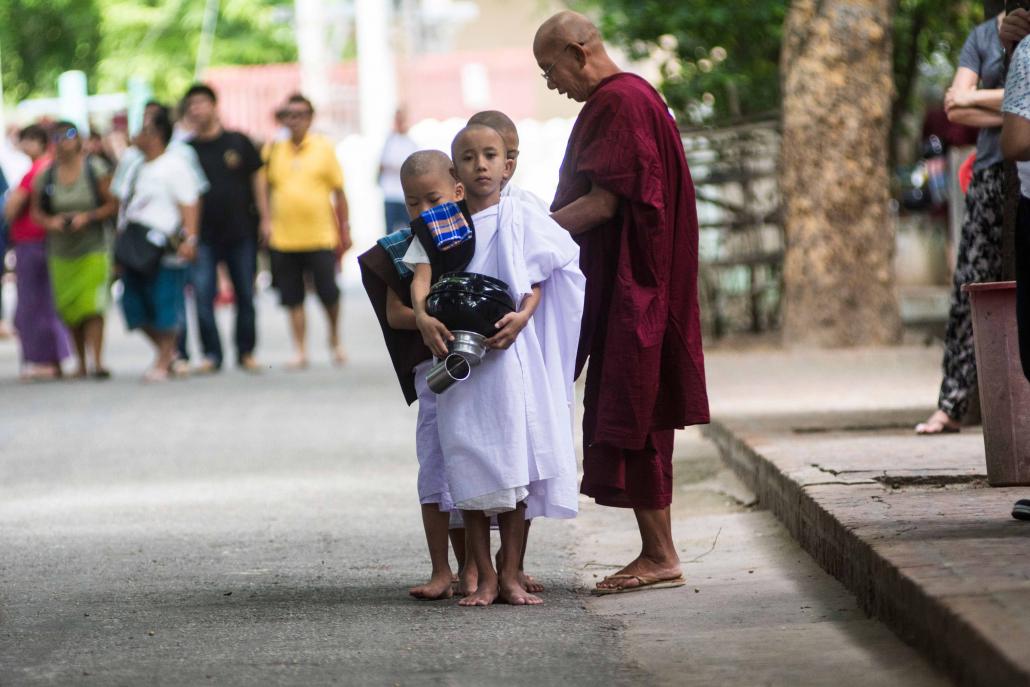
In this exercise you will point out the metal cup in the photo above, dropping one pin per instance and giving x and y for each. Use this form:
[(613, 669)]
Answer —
[(446, 373)]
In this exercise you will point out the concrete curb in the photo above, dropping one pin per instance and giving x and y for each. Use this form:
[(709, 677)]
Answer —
[(934, 624)]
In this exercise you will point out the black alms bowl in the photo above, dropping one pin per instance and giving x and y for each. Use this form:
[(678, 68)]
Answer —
[(466, 301)]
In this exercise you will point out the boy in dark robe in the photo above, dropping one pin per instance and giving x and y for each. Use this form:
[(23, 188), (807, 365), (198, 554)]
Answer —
[(427, 181)]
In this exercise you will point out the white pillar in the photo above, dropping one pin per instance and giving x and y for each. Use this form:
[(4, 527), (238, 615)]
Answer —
[(71, 91), (139, 93), (310, 27), (377, 76)]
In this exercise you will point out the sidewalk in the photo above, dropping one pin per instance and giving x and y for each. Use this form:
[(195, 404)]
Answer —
[(907, 523)]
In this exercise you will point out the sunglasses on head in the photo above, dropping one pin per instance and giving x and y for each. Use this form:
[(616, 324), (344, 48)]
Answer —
[(66, 135)]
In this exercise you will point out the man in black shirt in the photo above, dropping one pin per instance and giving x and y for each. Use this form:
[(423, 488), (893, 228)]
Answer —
[(228, 226)]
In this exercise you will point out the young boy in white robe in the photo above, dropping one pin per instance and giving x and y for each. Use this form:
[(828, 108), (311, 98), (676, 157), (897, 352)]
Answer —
[(506, 432), (502, 124), (427, 181)]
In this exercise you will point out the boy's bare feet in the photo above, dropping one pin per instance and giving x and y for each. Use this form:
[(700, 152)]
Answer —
[(438, 587), (484, 595), (512, 592), (528, 582), (468, 580)]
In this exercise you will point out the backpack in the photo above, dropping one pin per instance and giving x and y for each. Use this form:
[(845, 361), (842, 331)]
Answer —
[(49, 176)]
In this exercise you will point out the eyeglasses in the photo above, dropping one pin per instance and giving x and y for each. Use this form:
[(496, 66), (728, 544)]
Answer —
[(66, 135), (296, 114), (547, 72)]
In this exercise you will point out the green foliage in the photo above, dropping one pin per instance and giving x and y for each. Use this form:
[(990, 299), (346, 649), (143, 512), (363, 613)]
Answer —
[(928, 36), (685, 38), (39, 39), (158, 40), (112, 40), (717, 58)]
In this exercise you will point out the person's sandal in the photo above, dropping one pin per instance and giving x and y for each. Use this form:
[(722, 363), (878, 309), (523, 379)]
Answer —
[(1021, 509), (646, 582)]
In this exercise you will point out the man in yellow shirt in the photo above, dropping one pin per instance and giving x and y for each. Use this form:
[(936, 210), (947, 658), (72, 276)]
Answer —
[(306, 226)]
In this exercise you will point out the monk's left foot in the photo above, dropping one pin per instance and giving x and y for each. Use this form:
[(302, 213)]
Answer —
[(642, 572), (512, 592)]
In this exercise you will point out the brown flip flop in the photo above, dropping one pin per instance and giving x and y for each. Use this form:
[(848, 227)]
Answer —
[(646, 582)]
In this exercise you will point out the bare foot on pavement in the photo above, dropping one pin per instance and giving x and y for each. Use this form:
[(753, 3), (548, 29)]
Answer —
[(439, 587), (512, 592)]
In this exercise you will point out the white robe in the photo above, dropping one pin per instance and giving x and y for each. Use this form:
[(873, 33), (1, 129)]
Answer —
[(511, 190), (507, 431)]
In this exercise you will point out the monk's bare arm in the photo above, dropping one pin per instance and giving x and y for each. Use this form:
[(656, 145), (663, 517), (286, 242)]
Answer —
[(511, 324), (398, 315), (586, 212), (434, 333)]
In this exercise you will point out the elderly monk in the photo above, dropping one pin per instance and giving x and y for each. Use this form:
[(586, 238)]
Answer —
[(625, 194)]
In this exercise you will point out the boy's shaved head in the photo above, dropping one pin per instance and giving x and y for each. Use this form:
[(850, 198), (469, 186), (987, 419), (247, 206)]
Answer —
[(425, 162), (499, 122), (476, 128)]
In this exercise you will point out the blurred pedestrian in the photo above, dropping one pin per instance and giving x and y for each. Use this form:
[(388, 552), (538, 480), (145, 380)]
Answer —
[(305, 222), (1015, 144), (228, 227), (72, 200), (95, 147), (5, 332), (396, 150), (160, 200), (974, 99), (44, 340)]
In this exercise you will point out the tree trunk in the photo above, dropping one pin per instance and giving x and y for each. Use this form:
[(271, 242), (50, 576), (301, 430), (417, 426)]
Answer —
[(837, 91)]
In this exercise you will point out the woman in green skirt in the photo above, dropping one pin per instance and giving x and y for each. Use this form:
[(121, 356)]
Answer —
[(72, 199)]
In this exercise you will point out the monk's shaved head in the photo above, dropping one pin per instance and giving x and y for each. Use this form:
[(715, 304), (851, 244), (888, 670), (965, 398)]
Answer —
[(571, 55), (425, 162), (564, 28), (499, 122)]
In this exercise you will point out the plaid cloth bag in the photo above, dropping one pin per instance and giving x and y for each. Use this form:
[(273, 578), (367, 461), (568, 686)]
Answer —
[(448, 236), (447, 226)]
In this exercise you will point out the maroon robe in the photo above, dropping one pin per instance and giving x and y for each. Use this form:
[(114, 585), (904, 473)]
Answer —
[(641, 321)]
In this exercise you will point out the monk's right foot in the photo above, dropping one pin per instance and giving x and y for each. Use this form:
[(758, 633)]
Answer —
[(642, 572), (512, 592), (484, 595), (438, 587)]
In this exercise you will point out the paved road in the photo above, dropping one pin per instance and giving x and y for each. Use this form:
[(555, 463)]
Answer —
[(246, 530), (263, 530)]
